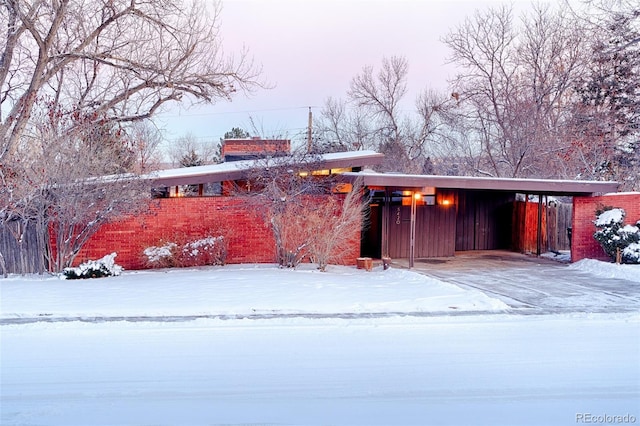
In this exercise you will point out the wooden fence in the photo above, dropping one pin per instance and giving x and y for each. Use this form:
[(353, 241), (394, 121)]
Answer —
[(556, 218), (559, 220), (19, 249)]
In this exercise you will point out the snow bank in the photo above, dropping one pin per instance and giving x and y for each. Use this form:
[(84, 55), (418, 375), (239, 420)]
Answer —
[(608, 270), (243, 290)]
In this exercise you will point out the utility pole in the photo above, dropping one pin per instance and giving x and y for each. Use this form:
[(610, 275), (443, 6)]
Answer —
[(309, 132)]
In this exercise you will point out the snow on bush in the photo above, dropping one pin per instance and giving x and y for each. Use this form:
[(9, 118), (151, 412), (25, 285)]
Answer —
[(609, 217), (206, 251), (104, 267), (631, 253), (156, 255), (616, 238)]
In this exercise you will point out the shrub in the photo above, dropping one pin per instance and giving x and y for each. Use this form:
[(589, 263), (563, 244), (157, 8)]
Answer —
[(104, 267), (631, 253), (206, 251), (618, 241), (163, 256)]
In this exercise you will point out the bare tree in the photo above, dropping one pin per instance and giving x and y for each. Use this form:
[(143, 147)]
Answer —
[(118, 60), (340, 128), (379, 95), (309, 220), (145, 140), (63, 183), (282, 190), (372, 118), (334, 226), (516, 83)]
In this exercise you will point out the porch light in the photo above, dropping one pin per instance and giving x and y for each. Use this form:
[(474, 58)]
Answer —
[(417, 195), (446, 202)]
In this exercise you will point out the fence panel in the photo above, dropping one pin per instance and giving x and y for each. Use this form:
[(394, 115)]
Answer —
[(19, 249)]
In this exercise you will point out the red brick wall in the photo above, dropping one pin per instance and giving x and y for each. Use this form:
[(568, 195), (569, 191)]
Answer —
[(583, 245), (255, 146), (191, 218), (250, 240)]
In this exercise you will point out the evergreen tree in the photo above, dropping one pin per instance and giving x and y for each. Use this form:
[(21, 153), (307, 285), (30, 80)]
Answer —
[(236, 133), (608, 111), (191, 159)]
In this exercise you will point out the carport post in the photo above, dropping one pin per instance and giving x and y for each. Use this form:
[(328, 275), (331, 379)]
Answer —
[(539, 236), (412, 230)]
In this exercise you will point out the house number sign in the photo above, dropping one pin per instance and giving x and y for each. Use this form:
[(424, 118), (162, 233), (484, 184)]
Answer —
[(398, 216)]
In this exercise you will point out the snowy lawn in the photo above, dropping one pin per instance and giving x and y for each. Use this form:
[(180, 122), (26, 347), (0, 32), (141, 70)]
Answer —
[(237, 290), (243, 363)]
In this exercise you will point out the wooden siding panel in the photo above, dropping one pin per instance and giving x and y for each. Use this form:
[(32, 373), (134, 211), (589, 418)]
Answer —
[(435, 231)]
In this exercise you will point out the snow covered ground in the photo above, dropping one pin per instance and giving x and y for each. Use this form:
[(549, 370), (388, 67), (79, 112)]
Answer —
[(237, 290), (277, 346), (608, 270)]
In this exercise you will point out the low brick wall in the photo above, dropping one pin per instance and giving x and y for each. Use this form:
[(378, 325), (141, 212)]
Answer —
[(583, 245), (250, 239)]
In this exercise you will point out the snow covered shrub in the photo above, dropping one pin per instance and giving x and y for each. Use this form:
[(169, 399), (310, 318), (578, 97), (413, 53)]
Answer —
[(104, 267), (162, 256), (616, 238), (206, 251), (631, 253)]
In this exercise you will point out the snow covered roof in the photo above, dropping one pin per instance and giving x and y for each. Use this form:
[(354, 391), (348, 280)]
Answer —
[(529, 186), (234, 170)]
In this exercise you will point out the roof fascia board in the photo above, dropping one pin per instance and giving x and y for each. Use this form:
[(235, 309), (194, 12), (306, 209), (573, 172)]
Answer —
[(237, 169), (531, 186)]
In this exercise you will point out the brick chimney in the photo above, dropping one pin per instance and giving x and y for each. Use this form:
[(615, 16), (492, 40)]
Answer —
[(249, 149)]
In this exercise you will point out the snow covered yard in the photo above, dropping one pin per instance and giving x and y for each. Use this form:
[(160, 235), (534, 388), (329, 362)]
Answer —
[(237, 290), (276, 346)]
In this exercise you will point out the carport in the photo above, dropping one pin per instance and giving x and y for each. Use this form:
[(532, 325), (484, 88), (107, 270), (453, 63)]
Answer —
[(425, 216)]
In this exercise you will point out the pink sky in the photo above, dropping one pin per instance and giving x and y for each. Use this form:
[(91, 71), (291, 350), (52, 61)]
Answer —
[(311, 50)]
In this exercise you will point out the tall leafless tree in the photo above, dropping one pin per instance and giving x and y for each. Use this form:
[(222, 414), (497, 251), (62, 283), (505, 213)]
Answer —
[(121, 60), (373, 117), (516, 82)]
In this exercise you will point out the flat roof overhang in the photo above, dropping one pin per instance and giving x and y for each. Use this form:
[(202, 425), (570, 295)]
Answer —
[(525, 186), (236, 170)]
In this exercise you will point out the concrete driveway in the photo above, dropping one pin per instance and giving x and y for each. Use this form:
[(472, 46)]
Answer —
[(531, 285)]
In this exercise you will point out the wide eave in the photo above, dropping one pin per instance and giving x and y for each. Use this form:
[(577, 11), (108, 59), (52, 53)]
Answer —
[(237, 170), (525, 186)]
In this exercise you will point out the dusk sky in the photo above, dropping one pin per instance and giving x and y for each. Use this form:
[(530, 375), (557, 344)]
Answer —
[(310, 50)]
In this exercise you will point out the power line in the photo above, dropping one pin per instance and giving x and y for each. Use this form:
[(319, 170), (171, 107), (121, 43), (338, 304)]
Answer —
[(204, 114), (294, 131)]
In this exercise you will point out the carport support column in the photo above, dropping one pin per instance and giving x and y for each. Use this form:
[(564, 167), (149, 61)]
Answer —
[(412, 231), (386, 217), (539, 236)]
